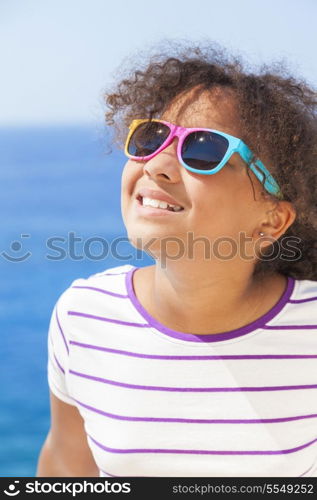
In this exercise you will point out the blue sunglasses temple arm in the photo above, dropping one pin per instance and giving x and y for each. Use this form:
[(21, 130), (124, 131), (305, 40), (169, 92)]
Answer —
[(269, 184), (259, 170)]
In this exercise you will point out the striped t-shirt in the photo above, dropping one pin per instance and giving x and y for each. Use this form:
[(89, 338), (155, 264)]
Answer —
[(156, 402)]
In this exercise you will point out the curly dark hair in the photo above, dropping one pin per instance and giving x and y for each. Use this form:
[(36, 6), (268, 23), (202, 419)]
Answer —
[(278, 121)]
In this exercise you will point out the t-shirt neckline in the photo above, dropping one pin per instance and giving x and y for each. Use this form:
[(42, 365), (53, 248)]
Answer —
[(214, 337)]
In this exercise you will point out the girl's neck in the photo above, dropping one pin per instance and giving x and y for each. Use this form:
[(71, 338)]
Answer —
[(203, 303)]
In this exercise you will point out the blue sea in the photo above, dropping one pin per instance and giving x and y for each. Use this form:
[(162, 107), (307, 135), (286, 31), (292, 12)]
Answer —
[(60, 213)]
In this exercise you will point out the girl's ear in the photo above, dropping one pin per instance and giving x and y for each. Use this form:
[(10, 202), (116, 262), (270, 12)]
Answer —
[(278, 219)]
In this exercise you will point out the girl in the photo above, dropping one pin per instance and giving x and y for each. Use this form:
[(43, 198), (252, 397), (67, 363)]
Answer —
[(205, 363)]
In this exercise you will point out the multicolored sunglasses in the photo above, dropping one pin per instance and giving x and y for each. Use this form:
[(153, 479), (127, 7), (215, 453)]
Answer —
[(199, 150)]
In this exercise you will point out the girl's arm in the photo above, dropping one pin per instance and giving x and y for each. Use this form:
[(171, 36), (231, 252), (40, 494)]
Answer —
[(65, 452)]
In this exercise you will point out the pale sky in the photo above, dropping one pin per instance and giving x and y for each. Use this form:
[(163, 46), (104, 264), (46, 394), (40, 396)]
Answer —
[(57, 55)]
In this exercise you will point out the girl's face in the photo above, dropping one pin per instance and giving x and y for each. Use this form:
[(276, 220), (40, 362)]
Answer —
[(214, 206)]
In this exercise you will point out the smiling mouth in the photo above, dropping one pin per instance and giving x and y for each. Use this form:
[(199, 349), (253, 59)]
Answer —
[(158, 204)]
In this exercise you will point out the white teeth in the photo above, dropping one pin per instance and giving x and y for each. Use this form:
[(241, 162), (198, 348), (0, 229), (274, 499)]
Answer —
[(159, 204), (155, 203)]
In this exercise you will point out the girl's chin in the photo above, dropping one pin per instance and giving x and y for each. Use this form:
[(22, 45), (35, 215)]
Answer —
[(142, 238)]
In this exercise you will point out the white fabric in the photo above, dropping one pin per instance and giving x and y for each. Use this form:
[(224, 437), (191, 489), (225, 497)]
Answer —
[(110, 389)]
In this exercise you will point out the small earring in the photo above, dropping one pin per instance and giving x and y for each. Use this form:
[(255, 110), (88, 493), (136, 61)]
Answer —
[(261, 234)]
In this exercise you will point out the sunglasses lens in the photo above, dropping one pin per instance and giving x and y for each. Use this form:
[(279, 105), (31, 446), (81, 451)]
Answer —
[(204, 150), (147, 138)]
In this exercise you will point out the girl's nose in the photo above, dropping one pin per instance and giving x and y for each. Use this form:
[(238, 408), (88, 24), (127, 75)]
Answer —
[(165, 165)]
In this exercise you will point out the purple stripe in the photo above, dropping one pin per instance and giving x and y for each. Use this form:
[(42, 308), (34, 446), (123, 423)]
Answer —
[(60, 329), (109, 320), (201, 452), (107, 473), (291, 327), (307, 471), (107, 292), (53, 364), (58, 364), (139, 355), (192, 420), (259, 323), (299, 301), (194, 358), (192, 389), (51, 340)]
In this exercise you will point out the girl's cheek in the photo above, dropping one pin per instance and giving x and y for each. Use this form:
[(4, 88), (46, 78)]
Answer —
[(130, 175), (124, 177), (129, 182)]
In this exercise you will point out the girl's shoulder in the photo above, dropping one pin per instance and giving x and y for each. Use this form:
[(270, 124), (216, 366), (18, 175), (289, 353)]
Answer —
[(301, 305), (111, 280), (102, 296), (112, 271), (304, 291)]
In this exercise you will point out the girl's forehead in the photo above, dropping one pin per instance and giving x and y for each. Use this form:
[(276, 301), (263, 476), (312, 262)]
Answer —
[(215, 108)]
